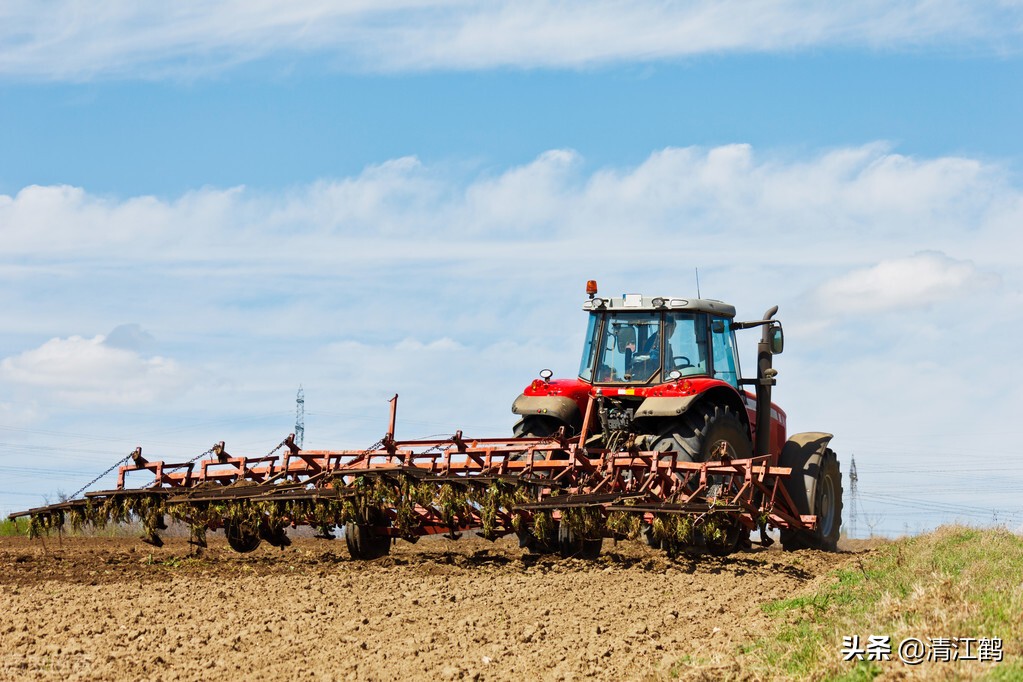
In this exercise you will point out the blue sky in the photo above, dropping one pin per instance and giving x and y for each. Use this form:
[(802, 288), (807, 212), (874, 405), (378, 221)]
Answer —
[(203, 207), (260, 128)]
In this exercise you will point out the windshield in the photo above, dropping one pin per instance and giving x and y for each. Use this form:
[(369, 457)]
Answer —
[(627, 347), (622, 348)]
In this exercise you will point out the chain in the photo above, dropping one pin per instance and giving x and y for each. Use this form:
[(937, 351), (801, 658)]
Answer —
[(278, 447), (371, 448), (199, 456), (438, 446), (86, 486)]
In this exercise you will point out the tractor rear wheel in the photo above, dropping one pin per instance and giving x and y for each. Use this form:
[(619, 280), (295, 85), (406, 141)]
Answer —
[(535, 427), (364, 541), (707, 432), (815, 487), (534, 545)]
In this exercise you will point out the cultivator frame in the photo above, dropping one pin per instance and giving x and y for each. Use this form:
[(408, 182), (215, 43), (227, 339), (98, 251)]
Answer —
[(555, 493)]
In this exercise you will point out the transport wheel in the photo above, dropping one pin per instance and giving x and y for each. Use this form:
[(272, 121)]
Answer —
[(240, 538), (363, 540), (275, 536), (571, 544), (652, 541), (534, 545), (815, 487), (726, 543)]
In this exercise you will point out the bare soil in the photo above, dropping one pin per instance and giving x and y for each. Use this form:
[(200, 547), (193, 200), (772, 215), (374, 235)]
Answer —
[(115, 608)]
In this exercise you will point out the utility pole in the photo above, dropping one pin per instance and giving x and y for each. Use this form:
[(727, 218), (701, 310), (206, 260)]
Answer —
[(300, 417), (853, 478)]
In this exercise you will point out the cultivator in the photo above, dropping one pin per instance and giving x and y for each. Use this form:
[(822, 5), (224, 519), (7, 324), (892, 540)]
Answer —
[(555, 493)]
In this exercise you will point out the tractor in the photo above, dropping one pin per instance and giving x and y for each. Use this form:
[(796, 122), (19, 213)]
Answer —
[(664, 375)]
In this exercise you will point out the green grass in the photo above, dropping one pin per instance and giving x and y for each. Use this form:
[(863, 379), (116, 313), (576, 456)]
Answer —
[(19, 527), (955, 582), (12, 527)]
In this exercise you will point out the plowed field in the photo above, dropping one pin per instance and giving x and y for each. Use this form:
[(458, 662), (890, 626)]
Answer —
[(115, 608)]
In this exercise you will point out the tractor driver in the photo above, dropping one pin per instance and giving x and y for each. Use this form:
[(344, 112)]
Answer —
[(648, 357)]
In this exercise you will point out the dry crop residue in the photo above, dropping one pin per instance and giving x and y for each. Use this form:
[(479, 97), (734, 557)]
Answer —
[(102, 608)]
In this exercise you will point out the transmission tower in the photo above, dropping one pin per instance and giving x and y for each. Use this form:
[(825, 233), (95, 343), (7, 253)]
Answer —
[(300, 417), (853, 477)]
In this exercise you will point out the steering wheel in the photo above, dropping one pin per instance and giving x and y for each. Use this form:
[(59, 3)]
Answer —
[(680, 365)]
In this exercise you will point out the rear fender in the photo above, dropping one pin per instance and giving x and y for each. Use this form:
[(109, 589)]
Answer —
[(658, 413), (561, 408)]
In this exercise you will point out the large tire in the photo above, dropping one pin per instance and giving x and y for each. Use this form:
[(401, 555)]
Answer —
[(241, 538), (815, 487), (364, 542), (704, 433), (535, 426)]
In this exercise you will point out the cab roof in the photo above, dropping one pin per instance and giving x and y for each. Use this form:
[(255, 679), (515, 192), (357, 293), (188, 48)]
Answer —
[(639, 302)]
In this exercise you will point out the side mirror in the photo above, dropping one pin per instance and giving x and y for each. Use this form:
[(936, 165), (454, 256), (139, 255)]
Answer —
[(777, 340)]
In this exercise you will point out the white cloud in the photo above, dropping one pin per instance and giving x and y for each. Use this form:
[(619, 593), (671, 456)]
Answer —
[(852, 194), (81, 371), (904, 283), (64, 40)]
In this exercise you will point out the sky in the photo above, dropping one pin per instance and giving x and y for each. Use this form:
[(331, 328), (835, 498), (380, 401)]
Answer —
[(204, 206)]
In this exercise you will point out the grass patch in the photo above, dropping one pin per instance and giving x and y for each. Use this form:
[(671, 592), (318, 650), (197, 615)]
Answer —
[(19, 527), (13, 527), (954, 583)]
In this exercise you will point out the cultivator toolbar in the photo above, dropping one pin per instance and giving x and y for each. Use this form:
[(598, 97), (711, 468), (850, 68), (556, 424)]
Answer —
[(555, 493)]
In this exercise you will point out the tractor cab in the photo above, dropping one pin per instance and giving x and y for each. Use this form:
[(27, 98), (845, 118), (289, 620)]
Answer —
[(642, 341)]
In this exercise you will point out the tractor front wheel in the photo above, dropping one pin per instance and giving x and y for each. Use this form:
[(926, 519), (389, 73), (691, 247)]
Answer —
[(536, 427)]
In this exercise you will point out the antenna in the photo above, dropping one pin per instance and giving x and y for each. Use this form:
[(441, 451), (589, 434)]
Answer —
[(300, 417), (698, 283)]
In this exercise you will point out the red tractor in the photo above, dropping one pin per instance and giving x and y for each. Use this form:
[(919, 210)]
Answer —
[(664, 375)]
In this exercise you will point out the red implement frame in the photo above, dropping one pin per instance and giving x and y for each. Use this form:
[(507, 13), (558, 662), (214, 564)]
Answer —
[(557, 473)]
